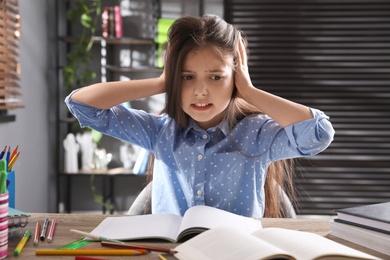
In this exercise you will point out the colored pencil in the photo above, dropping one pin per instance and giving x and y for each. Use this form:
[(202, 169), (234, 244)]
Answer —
[(51, 231), (88, 258), (91, 252), (37, 231), (95, 237), (3, 152), (13, 160), (136, 246), (14, 152)]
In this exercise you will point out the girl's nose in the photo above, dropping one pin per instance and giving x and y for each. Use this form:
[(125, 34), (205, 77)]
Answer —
[(200, 89)]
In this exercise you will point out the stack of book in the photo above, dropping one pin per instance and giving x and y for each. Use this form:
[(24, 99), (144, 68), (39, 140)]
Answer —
[(366, 225)]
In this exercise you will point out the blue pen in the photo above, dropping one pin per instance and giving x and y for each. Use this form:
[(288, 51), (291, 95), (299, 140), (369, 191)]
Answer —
[(3, 152)]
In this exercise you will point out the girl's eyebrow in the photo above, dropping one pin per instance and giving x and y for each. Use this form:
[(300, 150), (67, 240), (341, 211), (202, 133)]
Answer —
[(213, 70)]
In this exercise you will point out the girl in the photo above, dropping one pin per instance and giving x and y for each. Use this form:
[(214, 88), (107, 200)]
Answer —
[(221, 141)]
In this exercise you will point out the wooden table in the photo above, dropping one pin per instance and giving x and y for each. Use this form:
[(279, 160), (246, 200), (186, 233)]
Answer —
[(87, 222)]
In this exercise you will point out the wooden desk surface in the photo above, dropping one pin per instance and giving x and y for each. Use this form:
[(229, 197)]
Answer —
[(87, 222)]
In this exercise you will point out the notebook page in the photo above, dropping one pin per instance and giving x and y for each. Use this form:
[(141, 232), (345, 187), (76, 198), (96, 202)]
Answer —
[(209, 217), (163, 226)]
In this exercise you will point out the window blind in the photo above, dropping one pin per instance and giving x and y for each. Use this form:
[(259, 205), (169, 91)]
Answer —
[(9, 56), (333, 55)]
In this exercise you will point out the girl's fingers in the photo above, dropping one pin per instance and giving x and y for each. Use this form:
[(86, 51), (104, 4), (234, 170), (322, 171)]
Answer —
[(242, 52)]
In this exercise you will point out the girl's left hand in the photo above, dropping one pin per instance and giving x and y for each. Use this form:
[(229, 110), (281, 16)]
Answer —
[(242, 78)]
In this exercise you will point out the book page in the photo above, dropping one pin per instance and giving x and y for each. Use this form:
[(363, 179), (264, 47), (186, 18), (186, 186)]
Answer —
[(306, 245), (228, 244), (209, 217), (161, 226)]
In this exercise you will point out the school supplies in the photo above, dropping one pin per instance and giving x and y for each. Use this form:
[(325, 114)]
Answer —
[(51, 230), (366, 225), (22, 242), (378, 241), (36, 234), (91, 252), (13, 160), (373, 216), (137, 246), (172, 227), (44, 229), (3, 152), (94, 237), (79, 257), (17, 218), (76, 244), (267, 243)]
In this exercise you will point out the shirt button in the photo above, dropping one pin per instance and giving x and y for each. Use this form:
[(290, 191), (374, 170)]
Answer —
[(199, 192), (200, 157), (205, 136)]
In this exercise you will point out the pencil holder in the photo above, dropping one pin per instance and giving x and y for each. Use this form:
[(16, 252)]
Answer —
[(11, 188), (3, 225)]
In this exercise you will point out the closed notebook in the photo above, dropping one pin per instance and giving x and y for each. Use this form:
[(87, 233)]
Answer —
[(17, 218), (362, 236), (372, 216)]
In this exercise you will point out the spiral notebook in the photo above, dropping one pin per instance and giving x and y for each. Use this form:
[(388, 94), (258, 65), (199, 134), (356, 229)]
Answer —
[(17, 218)]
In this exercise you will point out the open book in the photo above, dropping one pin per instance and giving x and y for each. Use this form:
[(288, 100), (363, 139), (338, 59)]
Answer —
[(172, 227), (268, 243)]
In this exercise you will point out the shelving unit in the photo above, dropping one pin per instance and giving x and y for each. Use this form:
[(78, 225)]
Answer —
[(107, 67)]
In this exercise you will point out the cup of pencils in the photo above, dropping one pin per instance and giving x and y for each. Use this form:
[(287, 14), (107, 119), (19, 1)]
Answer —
[(7, 161), (3, 225)]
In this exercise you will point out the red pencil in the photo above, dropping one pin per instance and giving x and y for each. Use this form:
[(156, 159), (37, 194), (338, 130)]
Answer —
[(136, 246), (88, 258)]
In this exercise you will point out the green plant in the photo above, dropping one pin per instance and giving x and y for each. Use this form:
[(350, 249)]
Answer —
[(77, 72)]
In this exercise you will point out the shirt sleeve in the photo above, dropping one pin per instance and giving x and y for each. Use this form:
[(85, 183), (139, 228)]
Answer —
[(130, 125), (311, 136)]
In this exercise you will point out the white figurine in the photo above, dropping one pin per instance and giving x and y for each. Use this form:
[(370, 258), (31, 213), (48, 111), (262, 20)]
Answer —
[(71, 150), (87, 147)]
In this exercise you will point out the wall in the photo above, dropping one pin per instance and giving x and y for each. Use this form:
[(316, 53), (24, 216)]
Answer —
[(33, 128)]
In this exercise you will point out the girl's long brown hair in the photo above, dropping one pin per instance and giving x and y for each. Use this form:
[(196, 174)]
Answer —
[(190, 33)]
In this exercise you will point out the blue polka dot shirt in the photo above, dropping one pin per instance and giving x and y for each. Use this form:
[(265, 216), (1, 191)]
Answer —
[(217, 167)]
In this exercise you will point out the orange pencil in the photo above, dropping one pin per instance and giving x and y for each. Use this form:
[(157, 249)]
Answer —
[(12, 162), (14, 152)]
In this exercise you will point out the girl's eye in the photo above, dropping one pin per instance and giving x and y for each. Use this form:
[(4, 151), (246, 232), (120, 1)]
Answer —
[(186, 77), (216, 77)]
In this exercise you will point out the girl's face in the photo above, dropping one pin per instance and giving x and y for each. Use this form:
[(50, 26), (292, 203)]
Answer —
[(207, 86)]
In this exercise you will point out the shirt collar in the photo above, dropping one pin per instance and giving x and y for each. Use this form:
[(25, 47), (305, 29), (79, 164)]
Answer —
[(223, 127)]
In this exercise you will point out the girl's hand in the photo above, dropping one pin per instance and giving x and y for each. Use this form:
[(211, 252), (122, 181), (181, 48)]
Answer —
[(242, 78)]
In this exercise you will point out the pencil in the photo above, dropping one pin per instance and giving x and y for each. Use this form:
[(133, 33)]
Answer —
[(51, 231), (13, 160), (14, 152), (37, 231), (88, 258), (95, 237), (91, 252), (136, 246), (3, 152)]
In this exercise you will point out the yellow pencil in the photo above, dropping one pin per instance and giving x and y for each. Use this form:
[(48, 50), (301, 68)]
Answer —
[(13, 160), (92, 252)]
